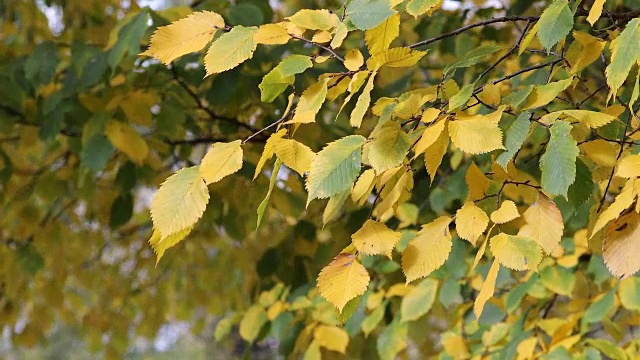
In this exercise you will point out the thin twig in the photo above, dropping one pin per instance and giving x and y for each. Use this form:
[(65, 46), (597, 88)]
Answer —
[(330, 50), (503, 57), (474, 25)]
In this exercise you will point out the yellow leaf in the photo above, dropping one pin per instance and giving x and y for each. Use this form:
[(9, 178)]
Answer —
[(629, 167), (516, 252), (321, 37), (180, 202), (331, 338), (507, 212), (455, 345), (428, 251), (595, 11), (161, 244), (544, 224), (380, 37), (294, 155), (526, 348), (353, 60), (375, 238), (429, 115), (363, 186), (583, 51), (471, 221), (342, 280), (409, 107), (430, 135), (137, 107), (395, 57), (621, 247), (184, 36), (622, 202), (362, 105), (230, 49), (477, 182), (268, 151), (221, 160), (544, 94), (126, 139), (488, 286), (314, 19), (592, 119), (490, 94), (354, 85), (310, 103), (477, 134), (527, 39), (483, 248), (339, 36), (433, 154), (392, 196), (601, 152), (252, 321), (271, 34)]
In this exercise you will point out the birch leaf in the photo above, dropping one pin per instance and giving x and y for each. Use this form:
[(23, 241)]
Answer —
[(342, 279)]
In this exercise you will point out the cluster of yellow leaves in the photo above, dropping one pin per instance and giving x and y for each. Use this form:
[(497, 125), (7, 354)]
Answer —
[(333, 172)]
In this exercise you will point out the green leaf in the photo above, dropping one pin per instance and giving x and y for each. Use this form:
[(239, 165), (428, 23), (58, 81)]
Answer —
[(367, 14), (96, 152), (121, 210), (129, 38), (516, 252), (223, 329), (388, 147), (335, 168), (179, 202), (252, 322), (416, 8), (555, 23), (461, 97), (629, 292), (419, 300), (334, 205), (516, 135), (581, 189), (558, 163), (625, 53), (40, 67), (611, 350), (473, 57), (599, 308), (393, 339), (230, 50), (370, 323), (263, 205), (277, 80), (558, 279)]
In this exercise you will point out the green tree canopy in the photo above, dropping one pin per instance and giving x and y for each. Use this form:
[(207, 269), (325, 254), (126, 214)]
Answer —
[(363, 178)]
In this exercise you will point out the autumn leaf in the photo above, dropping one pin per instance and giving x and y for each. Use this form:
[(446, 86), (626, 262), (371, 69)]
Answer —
[(184, 36), (342, 279), (428, 251), (375, 238), (221, 160), (471, 222), (180, 202)]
